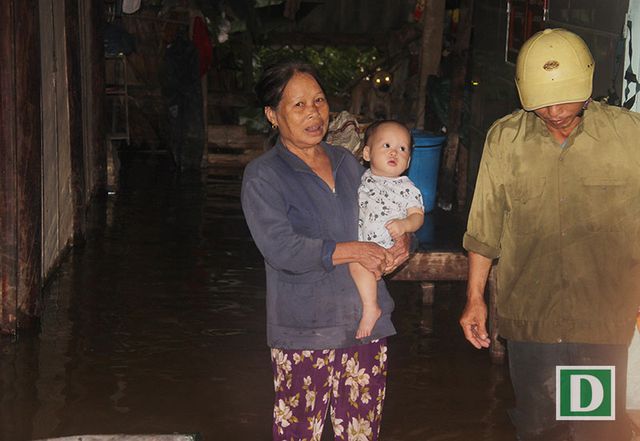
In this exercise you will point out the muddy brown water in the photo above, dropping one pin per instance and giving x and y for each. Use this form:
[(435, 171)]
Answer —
[(157, 325)]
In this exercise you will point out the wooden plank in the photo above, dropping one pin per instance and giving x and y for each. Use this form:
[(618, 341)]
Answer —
[(74, 81), (29, 157), (434, 266), (8, 170), (57, 138), (50, 154)]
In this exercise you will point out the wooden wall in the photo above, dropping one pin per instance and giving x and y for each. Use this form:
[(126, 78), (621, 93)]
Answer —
[(598, 23), (52, 151), (20, 164)]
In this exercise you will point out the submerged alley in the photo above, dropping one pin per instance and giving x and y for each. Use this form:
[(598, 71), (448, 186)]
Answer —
[(157, 325)]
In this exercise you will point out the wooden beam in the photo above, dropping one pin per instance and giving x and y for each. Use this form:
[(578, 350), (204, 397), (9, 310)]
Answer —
[(434, 266)]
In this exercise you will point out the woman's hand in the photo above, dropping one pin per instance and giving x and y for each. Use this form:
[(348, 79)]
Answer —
[(368, 254), (399, 252), (374, 258)]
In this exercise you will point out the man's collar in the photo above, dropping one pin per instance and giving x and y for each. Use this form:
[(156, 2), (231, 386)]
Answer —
[(588, 120)]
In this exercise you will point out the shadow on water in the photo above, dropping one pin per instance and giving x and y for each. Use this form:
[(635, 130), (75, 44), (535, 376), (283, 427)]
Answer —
[(156, 325)]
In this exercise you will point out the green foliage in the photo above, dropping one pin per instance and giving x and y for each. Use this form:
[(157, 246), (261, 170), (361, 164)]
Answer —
[(338, 67)]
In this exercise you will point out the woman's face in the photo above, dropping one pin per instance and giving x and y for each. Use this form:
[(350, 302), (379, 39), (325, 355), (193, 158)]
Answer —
[(302, 116)]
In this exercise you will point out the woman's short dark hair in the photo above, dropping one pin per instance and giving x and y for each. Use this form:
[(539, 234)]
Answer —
[(275, 77), (374, 126)]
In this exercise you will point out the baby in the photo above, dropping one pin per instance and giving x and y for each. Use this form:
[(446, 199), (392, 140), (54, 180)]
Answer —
[(390, 205)]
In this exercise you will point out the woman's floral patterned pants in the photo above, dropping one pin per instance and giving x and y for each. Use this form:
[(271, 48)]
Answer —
[(349, 382)]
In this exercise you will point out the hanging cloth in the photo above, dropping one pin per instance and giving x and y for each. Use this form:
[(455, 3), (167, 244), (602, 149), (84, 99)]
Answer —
[(130, 6), (201, 40)]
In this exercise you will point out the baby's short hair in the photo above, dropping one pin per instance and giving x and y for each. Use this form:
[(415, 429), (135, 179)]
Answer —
[(374, 126)]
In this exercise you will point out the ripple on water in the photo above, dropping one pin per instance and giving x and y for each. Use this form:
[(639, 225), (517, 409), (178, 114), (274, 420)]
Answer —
[(222, 332)]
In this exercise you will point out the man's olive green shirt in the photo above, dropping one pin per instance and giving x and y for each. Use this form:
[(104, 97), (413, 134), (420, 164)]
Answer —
[(563, 221)]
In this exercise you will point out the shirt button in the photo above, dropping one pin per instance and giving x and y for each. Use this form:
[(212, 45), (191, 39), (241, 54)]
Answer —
[(562, 199), (559, 340), (561, 159), (564, 233)]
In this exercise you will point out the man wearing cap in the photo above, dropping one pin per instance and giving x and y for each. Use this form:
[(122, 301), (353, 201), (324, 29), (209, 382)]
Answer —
[(557, 203)]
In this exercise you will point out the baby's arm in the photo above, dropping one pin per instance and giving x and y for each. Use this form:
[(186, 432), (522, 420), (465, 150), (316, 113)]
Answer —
[(410, 224)]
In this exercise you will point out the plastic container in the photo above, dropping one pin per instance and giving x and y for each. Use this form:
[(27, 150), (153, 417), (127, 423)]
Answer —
[(425, 163)]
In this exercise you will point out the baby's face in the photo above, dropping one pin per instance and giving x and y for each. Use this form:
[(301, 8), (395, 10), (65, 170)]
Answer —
[(388, 150)]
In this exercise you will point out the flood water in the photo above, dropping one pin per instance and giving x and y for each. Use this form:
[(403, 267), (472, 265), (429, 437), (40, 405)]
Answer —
[(157, 325)]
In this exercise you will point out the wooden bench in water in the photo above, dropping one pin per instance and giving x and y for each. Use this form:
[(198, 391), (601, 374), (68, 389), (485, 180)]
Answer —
[(427, 266)]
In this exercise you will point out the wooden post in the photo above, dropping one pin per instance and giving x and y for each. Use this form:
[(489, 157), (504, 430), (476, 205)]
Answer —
[(460, 53), (462, 171), (72, 35), (428, 293), (433, 26), (20, 168)]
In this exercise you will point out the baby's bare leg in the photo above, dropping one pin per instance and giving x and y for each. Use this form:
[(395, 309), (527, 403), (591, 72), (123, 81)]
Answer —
[(368, 290)]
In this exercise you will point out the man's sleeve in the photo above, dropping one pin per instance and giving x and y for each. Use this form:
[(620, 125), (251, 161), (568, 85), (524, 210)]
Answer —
[(486, 218)]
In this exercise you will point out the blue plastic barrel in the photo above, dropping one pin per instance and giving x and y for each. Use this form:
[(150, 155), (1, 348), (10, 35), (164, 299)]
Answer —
[(425, 163)]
